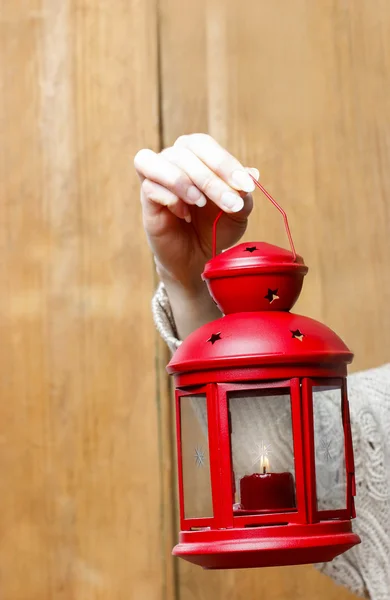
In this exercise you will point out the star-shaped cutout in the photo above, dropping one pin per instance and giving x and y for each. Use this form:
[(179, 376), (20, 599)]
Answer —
[(250, 249), (215, 337), (271, 295), (297, 335)]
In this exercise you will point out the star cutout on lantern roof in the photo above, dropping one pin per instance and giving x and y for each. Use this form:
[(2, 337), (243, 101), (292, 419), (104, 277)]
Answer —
[(297, 335), (250, 249), (271, 295), (215, 337)]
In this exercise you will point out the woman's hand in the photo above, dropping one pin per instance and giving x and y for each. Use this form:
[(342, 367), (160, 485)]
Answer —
[(182, 190)]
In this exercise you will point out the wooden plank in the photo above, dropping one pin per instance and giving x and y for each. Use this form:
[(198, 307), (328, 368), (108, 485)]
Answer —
[(299, 89), (82, 487)]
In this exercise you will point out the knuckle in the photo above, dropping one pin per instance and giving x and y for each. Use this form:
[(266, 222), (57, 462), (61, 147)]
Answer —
[(169, 153), (177, 155), (181, 184), (193, 140), (182, 140), (208, 185), (201, 138), (222, 163), (147, 187)]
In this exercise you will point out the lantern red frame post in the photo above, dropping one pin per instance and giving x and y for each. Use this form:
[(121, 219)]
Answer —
[(316, 515)]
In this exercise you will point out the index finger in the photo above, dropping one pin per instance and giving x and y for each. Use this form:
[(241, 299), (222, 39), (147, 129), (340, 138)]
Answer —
[(219, 160)]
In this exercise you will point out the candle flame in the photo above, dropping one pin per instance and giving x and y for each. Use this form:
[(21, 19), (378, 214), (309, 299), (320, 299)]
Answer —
[(264, 464), (261, 456)]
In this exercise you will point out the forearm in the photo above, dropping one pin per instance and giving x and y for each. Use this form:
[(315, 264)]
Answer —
[(191, 308), (175, 326)]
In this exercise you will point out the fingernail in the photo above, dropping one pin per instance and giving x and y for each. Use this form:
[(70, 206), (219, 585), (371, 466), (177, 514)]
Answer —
[(187, 218), (243, 181), (254, 172), (194, 194), (201, 202), (232, 202)]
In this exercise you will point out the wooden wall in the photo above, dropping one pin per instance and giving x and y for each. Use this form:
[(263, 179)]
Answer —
[(297, 88), (82, 472)]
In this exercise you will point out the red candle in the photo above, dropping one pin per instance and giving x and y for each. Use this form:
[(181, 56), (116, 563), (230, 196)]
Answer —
[(267, 491)]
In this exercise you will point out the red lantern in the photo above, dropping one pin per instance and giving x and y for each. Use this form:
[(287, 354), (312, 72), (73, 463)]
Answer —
[(263, 479)]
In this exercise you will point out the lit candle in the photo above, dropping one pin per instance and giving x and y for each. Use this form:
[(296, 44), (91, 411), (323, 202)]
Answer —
[(264, 464), (266, 490)]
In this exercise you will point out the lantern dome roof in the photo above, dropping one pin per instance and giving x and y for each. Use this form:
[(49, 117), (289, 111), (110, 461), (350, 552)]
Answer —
[(259, 339), (255, 257)]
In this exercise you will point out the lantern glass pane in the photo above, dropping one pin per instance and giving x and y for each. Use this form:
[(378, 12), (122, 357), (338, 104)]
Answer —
[(262, 451), (195, 457), (331, 480)]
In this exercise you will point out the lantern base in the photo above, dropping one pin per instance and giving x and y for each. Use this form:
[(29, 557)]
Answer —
[(271, 546)]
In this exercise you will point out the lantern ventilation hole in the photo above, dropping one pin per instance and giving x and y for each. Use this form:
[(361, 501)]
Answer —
[(215, 337), (297, 334), (250, 249), (271, 295)]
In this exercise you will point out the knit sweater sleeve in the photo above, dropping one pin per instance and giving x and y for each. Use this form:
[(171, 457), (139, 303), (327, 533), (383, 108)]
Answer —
[(365, 569)]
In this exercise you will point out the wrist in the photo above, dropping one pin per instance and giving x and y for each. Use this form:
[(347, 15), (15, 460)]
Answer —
[(188, 284)]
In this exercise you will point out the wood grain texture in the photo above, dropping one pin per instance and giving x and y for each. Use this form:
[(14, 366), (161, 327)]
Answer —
[(299, 89), (83, 507)]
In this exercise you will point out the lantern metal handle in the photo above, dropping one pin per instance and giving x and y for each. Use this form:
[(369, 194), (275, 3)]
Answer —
[(280, 209)]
